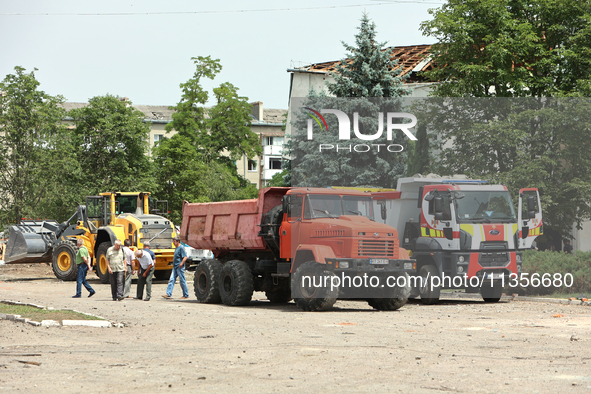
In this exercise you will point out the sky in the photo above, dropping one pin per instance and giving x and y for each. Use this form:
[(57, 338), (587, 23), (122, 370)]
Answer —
[(143, 49)]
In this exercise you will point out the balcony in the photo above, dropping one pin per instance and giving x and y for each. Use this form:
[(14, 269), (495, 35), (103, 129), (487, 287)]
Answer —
[(274, 150)]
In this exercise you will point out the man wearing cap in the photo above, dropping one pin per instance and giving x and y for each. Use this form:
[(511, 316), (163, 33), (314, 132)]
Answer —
[(145, 274), (178, 269)]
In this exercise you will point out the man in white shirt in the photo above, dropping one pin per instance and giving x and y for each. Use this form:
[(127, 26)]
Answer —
[(145, 274), (130, 268)]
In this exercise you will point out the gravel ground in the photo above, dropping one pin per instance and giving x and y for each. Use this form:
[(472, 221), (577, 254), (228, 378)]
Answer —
[(177, 345)]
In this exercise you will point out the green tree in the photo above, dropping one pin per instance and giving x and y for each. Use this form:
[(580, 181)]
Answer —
[(515, 48), (197, 163), (418, 153), (510, 48), (368, 70), (34, 148), (226, 128), (112, 141), (368, 83)]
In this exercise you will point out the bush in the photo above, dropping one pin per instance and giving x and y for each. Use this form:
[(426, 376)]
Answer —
[(579, 266)]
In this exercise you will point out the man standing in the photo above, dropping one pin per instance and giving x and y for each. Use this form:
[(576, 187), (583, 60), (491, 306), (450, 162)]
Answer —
[(130, 269), (568, 248), (83, 263), (117, 269), (178, 269), (145, 274)]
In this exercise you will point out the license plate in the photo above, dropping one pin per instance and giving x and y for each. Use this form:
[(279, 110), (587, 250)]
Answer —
[(407, 266), (379, 261), (494, 276)]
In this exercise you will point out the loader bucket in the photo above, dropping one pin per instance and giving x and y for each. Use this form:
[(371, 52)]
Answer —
[(29, 242)]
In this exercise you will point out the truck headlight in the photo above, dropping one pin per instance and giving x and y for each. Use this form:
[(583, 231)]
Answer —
[(460, 260), (343, 264), (518, 258), (460, 269)]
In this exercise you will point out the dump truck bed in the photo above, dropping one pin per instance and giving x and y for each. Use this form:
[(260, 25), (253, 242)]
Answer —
[(228, 225)]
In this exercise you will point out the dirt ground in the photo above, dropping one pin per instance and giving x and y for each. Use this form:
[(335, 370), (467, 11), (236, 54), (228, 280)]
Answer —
[(183, 346)]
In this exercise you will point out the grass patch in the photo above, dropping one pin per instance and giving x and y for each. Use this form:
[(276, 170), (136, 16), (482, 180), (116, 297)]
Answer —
[(36, 314), (577, 266)]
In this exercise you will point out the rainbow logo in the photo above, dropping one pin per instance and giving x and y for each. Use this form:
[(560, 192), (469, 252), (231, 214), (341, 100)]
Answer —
[(316, 118)]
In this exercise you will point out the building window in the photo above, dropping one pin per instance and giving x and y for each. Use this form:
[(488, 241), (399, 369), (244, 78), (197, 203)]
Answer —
[(277, 141), (252, 165), (158, 138), (274, 163)]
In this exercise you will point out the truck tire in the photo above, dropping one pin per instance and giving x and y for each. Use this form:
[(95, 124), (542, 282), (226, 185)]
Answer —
[(279, 293), (387, 304), (63, 261), (102, 268), (310, 298), (162, 274), (429, 296), (391, 304), (236, 283), (207, 282), (491, 293)]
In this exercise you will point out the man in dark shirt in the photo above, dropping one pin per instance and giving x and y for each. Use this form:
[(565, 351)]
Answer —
[(568, 248)]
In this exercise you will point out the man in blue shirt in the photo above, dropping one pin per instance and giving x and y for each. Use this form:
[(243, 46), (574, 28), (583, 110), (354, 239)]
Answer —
[(178, 269), (147, 249)]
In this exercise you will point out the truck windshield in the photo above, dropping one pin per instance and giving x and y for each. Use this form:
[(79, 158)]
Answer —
[(331, 206), (485, 206)]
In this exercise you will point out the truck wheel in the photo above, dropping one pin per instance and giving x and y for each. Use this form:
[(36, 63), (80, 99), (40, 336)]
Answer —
[(207, 282), (236, 284), (102, 268), (309, 297), (428, 296), (491, 293), (64, 261), (279, 293), (387, 304), (162, 274)]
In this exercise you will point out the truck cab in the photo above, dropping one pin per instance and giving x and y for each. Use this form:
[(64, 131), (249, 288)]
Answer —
[(461, 229)]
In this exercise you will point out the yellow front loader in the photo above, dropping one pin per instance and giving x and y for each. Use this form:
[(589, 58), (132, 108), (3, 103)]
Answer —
[(104, 219)]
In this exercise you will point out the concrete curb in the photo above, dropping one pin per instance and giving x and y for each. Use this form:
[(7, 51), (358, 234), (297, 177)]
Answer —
[(53, 323), (477, 296)]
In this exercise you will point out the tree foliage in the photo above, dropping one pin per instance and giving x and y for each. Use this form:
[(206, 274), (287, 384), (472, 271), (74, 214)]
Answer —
[(515, 48), (367, 72), (112, 141), (419, 157), (184, 175), (524, 142), (354, 162), (511, 48), (34, 147), (222, 129), (197, 163), (368, 69)]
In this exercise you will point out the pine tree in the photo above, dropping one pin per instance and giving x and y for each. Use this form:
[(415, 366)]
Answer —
[(368, 70)]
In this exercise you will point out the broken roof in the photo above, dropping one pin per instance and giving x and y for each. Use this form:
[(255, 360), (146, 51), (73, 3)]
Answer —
[(412, 59), (163, 113)]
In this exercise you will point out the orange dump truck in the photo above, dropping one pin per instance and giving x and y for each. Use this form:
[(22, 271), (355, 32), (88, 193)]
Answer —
[(311, 244)]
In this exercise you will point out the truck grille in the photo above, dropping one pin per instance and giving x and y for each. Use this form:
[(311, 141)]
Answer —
[(330, 233), (494, 259), (489, 257), (162, 241), (375, 248)]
